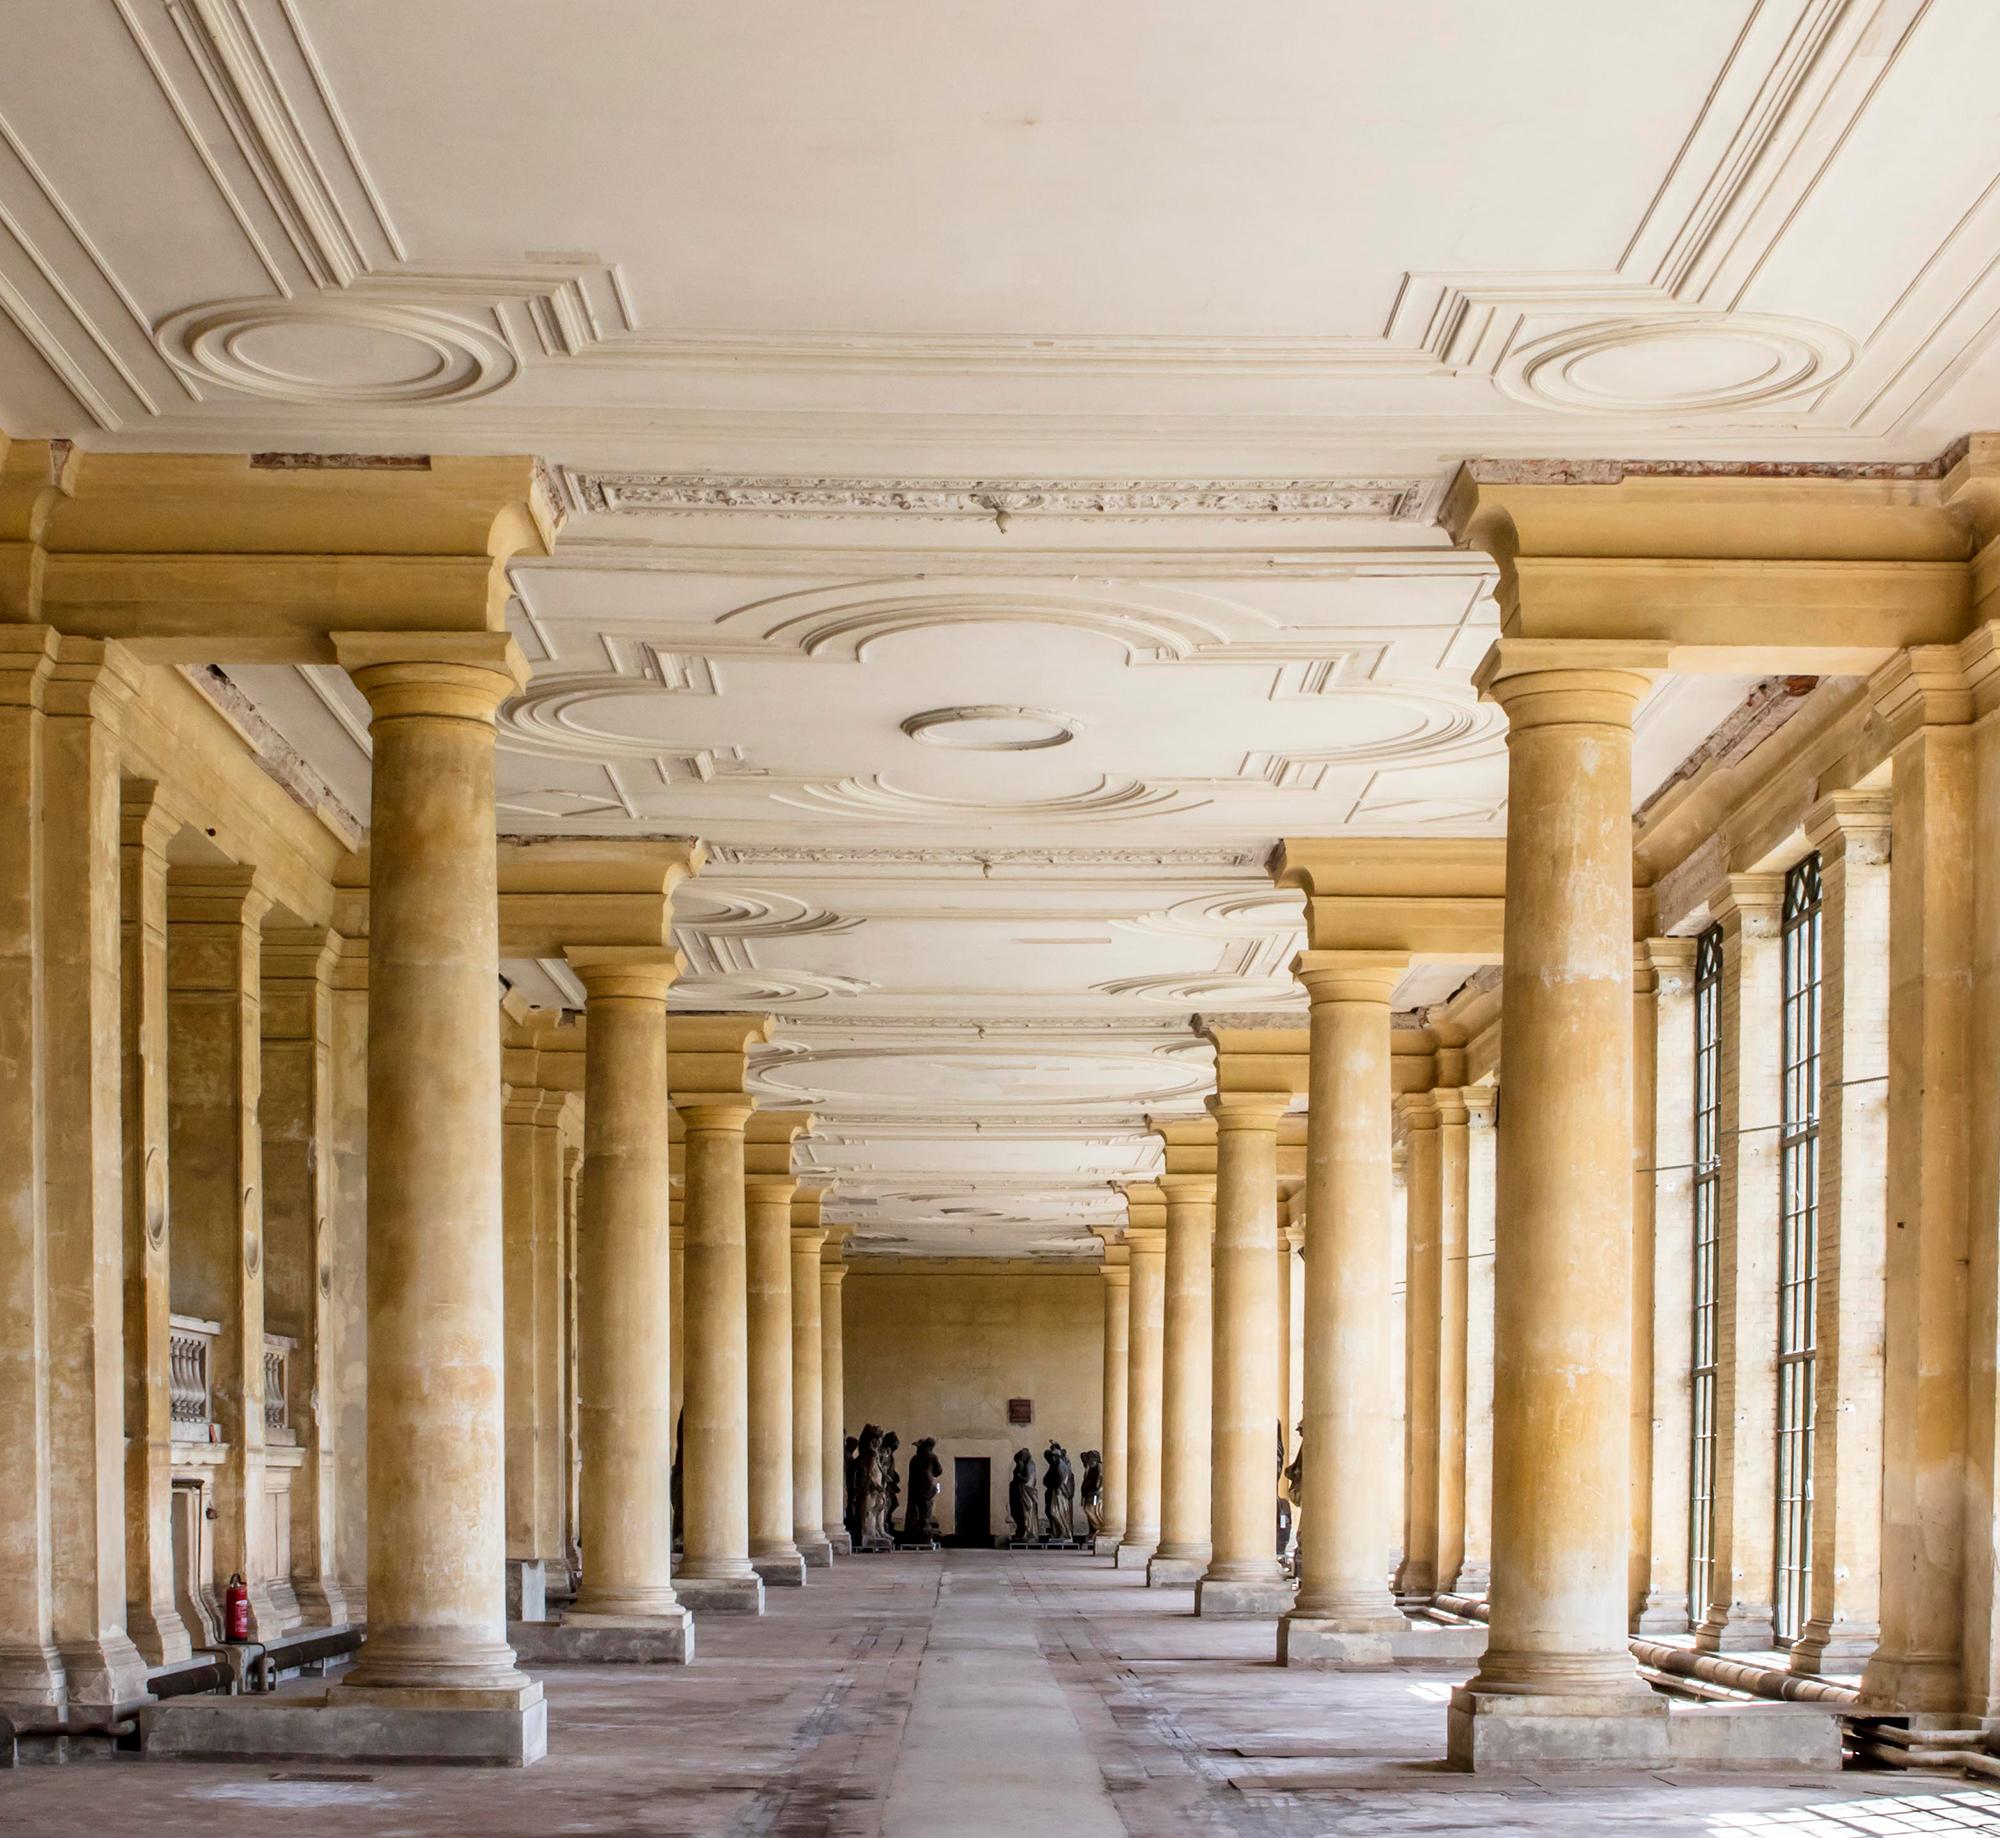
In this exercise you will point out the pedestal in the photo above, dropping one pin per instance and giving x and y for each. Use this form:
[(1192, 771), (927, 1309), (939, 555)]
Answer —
[(721, 1595), (1309, 1641), (504, 1729), (619, 1640), (1132, 1556), (1226, 1598), (1165, 1572), (781, 1572), (817, 1552)]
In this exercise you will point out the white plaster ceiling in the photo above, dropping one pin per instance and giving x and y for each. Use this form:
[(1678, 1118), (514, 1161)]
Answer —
[(918, 377)]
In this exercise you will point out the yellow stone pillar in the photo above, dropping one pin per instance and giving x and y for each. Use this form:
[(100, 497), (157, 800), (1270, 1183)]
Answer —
[(214, 1059), (1850, 830), (625, 1415), (1186, 1397), (1416, 1580), (1475, 1570), (1344, 1613), (1557, 1680), (768, 1354), (833, 1398), (436, 1465), (536, 1260), (1282, 1328), (677, 1282), (1117, 1273), (1740, 1615), (151, 1617), (1452, 1118), (1146, 1238), (296, 1113), (1243, 1576), (808, 1240), (346, 1401)]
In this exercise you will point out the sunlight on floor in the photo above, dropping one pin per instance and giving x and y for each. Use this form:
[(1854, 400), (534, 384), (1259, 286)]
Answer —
[(1976, 1809)]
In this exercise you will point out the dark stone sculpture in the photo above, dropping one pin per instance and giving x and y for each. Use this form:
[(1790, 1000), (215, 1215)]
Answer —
[(674, 1482), (1058, 1494), (1091, 1491), (850, 1493), (892, 1485), (1021, 1501), (926, 1483)]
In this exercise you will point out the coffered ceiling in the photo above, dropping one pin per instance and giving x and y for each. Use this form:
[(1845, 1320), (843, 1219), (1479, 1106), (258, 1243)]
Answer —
[(1001, 445)]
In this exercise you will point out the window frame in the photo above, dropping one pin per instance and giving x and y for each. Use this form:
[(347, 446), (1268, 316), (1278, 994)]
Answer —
[(1704, 1311)]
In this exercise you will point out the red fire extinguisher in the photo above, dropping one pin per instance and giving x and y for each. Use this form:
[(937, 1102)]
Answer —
[(236, 1610)]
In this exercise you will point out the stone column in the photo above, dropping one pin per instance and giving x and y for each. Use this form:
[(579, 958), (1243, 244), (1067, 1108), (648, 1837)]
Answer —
[(1344, 1612), (1243, 1576), (1282, 1329), (297, 1117), (1741, 1616), (715, 1464), (570, 1448), (347, 1305), (1186, 1406), (151, 1617), (808, 1408), (214, 1058), (768, 1280), (1851, 832), (625, 1412), (536, 1258), (677, 1284), (833, 1405), (436, 1465), (1666, 1171), (1295, 1326), (1416, 1580), (1147, 1331), (1117, 1356), (1452, 1302), (1557, 1680), (32, 1681), (1475, 1570)]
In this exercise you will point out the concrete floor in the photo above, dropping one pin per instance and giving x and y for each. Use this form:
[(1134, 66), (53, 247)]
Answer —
[(978, 1694)]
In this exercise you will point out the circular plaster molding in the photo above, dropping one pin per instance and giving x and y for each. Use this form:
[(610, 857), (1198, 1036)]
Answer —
[(763, 988), (877, 797), (1194, 991), (992, 727), (1687, 363), (337, 350), (552, 718)]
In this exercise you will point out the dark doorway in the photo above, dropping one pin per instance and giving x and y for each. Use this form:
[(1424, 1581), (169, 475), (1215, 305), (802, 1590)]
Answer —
[(971, 1500)]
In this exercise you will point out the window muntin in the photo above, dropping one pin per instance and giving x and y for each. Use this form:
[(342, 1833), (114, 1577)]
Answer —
[(1798, 1245), (1706, 1295)]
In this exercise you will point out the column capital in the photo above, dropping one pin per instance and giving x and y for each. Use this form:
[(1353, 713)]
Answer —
[(1451, 1105), (773, 1189), (145, 823), (1249, 1110), (1351, 976), (455, 675), (1482, 1103), (1669, 960), (1851, 825), (1418, 1109), (1568, 682), (808, 1238), (91, 676), (1146, 1240), (27, 656), (714, 1110), (634, 973), (1927, 686), (223, 895), (1751, 903), (1188, 1189), (299, 953)]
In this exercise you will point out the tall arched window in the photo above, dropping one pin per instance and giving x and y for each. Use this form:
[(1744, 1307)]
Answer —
[(1707, 1204)]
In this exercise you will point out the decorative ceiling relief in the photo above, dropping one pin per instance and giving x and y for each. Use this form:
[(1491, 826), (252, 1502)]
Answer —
[(991, 728), (1100, 801)]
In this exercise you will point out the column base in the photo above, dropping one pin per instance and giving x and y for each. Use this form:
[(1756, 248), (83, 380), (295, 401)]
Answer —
[(505, 1729), (32, 1682), (1662, 1612), (1492, 1732), (1746, 1629), (1846, 1647), (1169, 1568), (1243, 1598), (527, 1589), (1325, 1643), (722, 1595), (160, 1635), (1894, 1685), (620, 1640), (106, 1677), (842, 1541), (818, 1552), (781, 1572)]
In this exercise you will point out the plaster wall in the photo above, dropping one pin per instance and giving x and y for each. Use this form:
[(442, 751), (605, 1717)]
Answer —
[(939, 1352)]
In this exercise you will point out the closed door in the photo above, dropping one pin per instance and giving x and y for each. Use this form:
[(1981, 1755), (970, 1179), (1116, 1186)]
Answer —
[(971, 1499)]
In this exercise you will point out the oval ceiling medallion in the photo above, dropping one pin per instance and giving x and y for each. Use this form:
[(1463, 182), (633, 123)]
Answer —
[(1694, 363), (336, 349), (877, 797), (992, 728), (574, 717)]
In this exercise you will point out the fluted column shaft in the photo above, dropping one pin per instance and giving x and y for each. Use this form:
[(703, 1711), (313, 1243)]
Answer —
[(833, 1409), (624, 1308), (715, 1461), (1562, 1331), (1147, 1328), (1345, 1536), (436, 1474), (1243, 1575), (768, 1282), (1186, 1384)]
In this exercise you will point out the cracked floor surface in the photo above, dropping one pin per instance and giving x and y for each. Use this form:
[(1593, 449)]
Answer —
[(982, 1694)]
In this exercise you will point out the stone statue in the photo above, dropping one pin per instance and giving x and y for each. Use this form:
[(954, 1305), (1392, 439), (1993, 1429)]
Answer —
[(926, 1483), (850, 1500), (1295, 1485), (1058, 1493), (1021, 1506), (1091, 1492), (674, 1482), (871, 1498), (892, 1485)]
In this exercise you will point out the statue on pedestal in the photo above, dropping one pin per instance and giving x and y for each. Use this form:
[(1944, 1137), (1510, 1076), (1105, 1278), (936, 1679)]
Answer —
[(871, 1498), (892, 1485), (926, 1483), (1092, 1491), (1021, 1504), (1058, 1494)]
